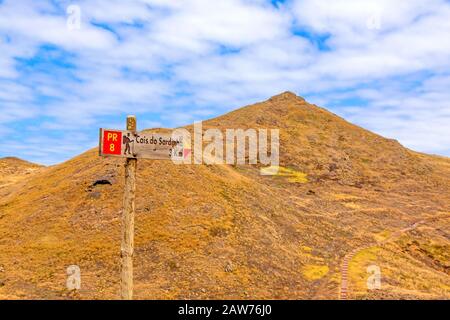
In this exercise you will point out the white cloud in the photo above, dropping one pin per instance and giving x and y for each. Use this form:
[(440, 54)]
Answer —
[(25, 20), (176, 61)]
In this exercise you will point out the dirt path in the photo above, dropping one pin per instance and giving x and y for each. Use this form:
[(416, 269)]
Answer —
[(344, 288)]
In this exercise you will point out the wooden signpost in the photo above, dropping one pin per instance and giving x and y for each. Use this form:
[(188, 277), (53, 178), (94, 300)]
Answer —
[(132, 145)]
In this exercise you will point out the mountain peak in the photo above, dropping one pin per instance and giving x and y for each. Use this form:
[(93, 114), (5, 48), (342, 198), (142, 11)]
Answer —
[(294, 223), (17, 161), (287, 95), (13, 169)]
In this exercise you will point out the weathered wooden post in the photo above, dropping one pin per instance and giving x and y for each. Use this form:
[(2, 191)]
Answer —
[(127, 246), (132, 145)]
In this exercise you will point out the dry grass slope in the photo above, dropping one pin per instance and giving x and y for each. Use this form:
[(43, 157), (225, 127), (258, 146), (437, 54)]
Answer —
[(227, 232)]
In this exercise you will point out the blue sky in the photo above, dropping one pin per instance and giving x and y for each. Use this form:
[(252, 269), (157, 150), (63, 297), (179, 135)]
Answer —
[(384, 65)]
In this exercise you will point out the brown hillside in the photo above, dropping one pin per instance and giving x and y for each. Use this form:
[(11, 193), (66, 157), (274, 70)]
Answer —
[(227, 232), (13, 169)]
